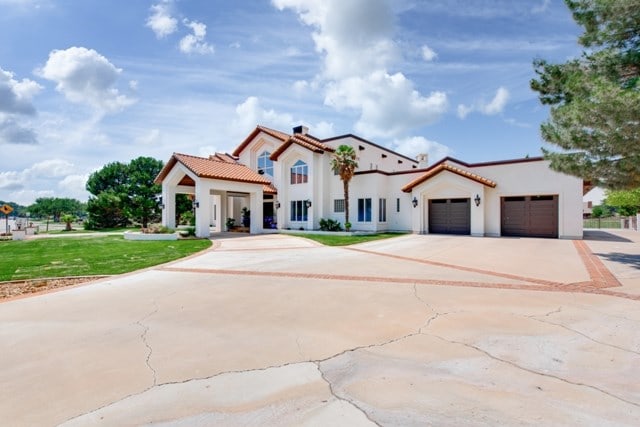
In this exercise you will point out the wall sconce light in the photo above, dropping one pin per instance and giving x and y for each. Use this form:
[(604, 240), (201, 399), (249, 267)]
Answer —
[(196, 204), (277, 205), (307, 203), (477, 200), (414, 202), (162, 206)]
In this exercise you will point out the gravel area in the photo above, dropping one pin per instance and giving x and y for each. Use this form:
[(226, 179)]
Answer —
[(22, 287)]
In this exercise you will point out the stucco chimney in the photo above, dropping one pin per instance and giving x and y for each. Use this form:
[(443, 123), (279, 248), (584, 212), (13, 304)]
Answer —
[(423, 160), (303, 130)]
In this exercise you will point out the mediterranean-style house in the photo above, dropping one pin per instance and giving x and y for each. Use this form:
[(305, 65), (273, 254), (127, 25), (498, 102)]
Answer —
[(286, 182)]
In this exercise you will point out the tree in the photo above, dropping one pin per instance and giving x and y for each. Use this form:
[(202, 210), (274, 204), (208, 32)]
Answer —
[(55, 207), (131, 194), (626, 203), (595, 99), (142, 192), (105, 211), (67, 219), (344, 163)]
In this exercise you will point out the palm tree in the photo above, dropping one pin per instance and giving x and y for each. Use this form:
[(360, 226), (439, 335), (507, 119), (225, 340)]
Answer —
[(344, 163), (68, 219)]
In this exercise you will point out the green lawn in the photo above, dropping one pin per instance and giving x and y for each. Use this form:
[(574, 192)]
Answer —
[(87, 256), (337, 240)]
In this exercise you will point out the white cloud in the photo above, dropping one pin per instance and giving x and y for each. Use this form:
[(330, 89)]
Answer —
[(354, 35), (428, 54), (356, 39), (15, 96), (207, 150), (412, 146), (85, 77), (74, 186), (44, 179), (194, 43), (153, 137), (11, 132), (497, 104), (322, 130), (491, 108), (541, 7), (389, 104), (300, 87), (463, 111), (11, 180), (250, 113), (161, 22), (26, 197), (53, 168)]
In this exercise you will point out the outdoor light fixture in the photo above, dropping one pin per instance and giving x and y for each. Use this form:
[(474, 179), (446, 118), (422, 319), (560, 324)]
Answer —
[(414, 202), (278, 205), (196, 204), (307, 203), (477, 200)]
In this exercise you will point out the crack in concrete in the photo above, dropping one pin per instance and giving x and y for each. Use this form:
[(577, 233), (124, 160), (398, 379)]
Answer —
[(560, 325), (143, 337), (532, 371), (538, 318), (344, 399), (317, 362)]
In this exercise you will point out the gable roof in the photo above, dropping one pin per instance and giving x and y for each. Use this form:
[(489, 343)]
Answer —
[(440, 167), (306, 141), (271, 132), (218, 166)]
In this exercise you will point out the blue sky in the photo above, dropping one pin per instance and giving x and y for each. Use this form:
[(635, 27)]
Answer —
[(85, 83)]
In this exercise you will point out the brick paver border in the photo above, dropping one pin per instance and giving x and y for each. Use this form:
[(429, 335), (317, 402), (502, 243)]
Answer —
[(600, 277)]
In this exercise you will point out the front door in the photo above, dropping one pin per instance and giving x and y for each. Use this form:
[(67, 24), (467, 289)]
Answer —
[(268, 216)]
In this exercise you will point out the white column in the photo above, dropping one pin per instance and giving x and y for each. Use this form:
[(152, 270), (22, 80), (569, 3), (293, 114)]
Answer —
[(169, 201), (203, 211), (255, 205)]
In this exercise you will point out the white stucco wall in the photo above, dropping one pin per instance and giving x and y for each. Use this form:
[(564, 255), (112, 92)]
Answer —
[(533, 178)]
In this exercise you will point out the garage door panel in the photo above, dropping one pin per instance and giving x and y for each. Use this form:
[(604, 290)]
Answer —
[(449, 216), (438, 212), (530, 216)]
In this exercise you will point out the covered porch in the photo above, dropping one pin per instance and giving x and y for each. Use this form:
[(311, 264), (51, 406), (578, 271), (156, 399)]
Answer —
[(220, 188)]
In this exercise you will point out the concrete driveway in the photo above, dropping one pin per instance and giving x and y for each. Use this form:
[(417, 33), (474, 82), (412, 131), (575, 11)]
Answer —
[(277, 330)]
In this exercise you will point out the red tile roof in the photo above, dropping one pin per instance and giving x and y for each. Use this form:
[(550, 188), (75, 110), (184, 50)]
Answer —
[(274, 133), (439, 167), (222, 167), (304, 140)]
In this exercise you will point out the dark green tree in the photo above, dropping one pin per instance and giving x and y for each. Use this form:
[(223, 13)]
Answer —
[(130, 190), (105, 211), (142, 193), (55, 207), (595, 99)]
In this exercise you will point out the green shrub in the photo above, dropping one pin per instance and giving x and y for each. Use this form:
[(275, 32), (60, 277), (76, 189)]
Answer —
[(330, 225)]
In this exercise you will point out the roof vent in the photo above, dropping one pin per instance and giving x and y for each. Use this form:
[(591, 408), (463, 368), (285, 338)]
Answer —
[(302, 130)]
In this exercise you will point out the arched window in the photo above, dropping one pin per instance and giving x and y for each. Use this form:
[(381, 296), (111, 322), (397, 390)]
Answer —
[(265, 164), (299, 173)]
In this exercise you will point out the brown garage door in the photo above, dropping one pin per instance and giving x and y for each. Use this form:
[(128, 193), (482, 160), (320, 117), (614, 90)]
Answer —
[(530, 216), (450, 216)]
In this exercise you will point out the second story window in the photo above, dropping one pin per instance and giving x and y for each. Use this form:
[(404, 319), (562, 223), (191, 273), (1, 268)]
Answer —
[(299, 173), (265, 164)]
